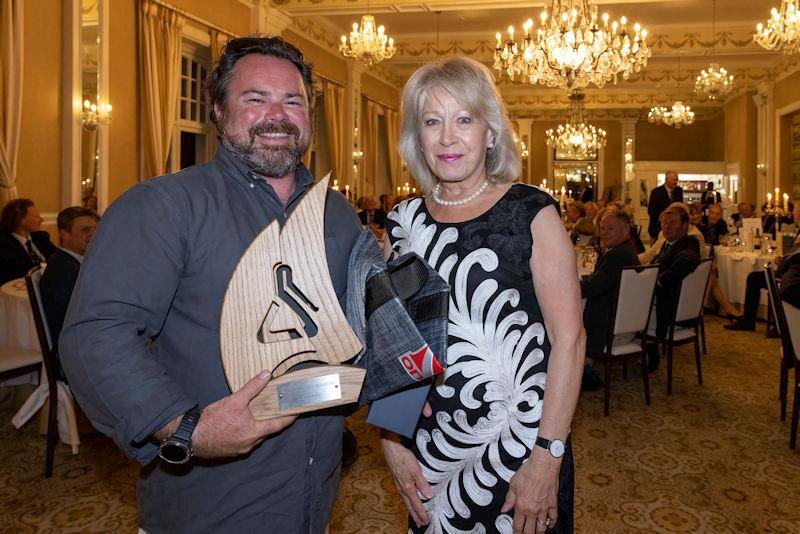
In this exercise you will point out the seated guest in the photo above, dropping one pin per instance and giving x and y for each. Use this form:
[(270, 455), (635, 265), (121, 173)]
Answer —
[(387, 202), (23, 244), (592, 214), (598, 288), (577, 222), (75, 229), (746, 211), (714, 226), (790, 284), (649, 255), (678, 257), (371, 214)]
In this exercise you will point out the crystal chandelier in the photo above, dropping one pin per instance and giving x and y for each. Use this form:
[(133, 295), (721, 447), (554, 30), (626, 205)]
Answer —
[(678, 116), (576, 138), (93, 114), (713, 82), (782, 30), (366, 43), (572, 48)]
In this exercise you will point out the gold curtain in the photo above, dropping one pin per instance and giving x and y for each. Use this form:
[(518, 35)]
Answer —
[(392, 138), (371, 151), (11, 41), (160, 45), (333, 96)]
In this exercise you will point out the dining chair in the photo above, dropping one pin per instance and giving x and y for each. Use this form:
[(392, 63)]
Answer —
[(18, 361), (787, 350), (684, 326), (32, 280), (792, 316), (630, 312)]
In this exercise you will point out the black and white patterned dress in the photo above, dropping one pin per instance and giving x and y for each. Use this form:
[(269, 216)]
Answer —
[(488, 404)]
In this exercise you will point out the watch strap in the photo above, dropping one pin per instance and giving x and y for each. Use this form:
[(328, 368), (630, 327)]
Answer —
[(546, 445), (187, 425)]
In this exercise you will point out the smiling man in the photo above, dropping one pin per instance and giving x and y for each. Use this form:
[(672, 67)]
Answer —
[(141, 341)]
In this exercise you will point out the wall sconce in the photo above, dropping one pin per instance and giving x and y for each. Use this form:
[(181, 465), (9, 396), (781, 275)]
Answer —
[(92, 115), (761, 168)]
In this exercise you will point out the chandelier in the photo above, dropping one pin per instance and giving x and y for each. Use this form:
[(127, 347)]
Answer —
[(679, 115), (713, 82), (782, 30), (92, 115), (576, 138), (366, 43), (572, 48)]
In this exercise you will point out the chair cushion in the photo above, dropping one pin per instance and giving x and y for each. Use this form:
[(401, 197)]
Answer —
[(682, 334), (15, 357), (627, 348)]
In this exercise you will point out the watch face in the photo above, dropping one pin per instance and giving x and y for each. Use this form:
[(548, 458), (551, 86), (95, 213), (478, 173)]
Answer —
[(174, 453), (557, 448)]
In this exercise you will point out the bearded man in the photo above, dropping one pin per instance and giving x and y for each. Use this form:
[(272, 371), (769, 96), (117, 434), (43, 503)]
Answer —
[(141, 341)]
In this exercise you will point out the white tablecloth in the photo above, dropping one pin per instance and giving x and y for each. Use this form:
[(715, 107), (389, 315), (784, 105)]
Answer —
[(17, 328), (733, 266)]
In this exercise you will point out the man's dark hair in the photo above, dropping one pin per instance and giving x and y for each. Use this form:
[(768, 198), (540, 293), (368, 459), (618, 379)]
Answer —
[(67, 216), (13, 213), (620, 215), (680, 211), (219, 79)]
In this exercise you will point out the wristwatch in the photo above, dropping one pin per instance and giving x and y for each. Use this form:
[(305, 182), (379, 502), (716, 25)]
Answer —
[(177, 449), (554, 446)]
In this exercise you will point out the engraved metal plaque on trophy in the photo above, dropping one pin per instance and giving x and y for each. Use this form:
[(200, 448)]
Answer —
[(280, 310)]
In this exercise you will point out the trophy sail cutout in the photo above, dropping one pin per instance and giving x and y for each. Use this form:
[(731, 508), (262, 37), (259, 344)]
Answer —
[(280, 309)]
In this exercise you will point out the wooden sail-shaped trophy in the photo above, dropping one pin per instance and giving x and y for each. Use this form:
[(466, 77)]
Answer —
[(280, 309)]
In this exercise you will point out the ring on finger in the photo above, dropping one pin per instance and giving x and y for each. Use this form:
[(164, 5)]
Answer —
[(542, 523)]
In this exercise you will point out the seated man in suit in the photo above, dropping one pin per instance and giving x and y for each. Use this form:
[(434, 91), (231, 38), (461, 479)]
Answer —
[(714, 226), (790, 284), (371, 215), (23, 244), (75, 229), (650, 255), (746, 211), (598, 288), (679, 256), (577, 222)]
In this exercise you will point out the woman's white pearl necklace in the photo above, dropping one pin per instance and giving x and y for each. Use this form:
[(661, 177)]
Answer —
[(441, 202)]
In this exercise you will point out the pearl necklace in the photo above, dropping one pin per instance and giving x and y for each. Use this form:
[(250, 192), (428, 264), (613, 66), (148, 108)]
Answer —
[(441, 202)]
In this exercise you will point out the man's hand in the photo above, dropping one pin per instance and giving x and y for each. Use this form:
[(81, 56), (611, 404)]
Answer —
[(227, 427)]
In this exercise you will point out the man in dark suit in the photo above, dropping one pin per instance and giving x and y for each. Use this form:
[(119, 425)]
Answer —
[(598, 288), (23, 244), (714, 225), (710, 196), (76, 227), (661, 197), (679, 256), (371, 214)]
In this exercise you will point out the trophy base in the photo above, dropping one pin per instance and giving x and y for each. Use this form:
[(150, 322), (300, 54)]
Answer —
[(310, 389)]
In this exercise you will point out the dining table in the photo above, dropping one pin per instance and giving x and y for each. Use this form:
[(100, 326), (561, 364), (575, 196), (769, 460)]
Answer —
[(733, 266), (17, 328)]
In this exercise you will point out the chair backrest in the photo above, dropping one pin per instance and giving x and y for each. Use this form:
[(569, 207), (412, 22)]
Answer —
[(633, 299), (32, 280), (792, 315), (583, 240), (693, 292), (706, 252), (775, 300)]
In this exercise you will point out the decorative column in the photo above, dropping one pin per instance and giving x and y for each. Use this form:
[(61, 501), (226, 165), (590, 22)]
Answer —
[(766, 151), (352, 110), (267, 20), (525, 134)]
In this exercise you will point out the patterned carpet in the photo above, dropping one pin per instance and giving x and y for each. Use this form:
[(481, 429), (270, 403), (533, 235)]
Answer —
[(711, 458)]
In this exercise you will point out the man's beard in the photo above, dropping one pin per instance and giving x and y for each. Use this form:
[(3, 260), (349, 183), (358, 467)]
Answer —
[(272, 161)]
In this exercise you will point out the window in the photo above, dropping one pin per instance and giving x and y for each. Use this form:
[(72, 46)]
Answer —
[(192, 141)]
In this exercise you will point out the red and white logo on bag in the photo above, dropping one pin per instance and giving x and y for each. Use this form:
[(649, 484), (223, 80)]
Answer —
[(421, 364)]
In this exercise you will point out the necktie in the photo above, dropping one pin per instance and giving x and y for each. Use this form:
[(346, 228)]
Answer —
[(34, 257)]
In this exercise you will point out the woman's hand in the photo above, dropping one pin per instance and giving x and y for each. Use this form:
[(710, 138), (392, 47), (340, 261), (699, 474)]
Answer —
[(533, 492), (407, 476)]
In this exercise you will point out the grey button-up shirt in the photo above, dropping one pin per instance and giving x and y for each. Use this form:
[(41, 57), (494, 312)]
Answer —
[(158, 268)]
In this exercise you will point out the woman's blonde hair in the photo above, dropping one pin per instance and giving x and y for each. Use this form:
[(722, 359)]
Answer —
[(472, 84)]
